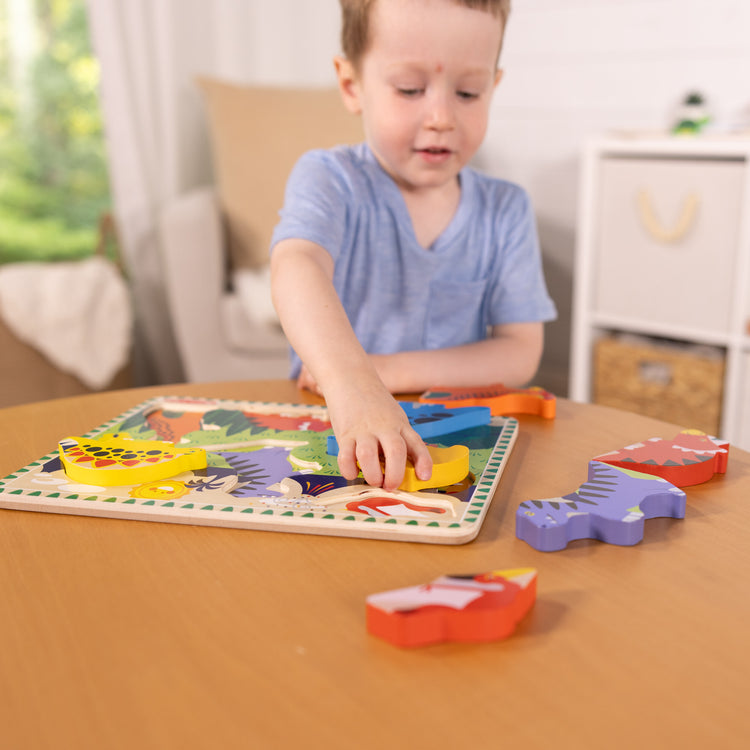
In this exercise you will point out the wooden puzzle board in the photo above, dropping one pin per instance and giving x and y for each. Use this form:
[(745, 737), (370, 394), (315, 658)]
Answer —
[(268, 469)]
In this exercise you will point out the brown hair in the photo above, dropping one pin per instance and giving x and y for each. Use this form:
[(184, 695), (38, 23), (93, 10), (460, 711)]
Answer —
[(355, 22)]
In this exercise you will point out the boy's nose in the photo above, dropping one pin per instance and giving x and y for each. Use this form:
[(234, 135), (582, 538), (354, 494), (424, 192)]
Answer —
[(440, 112)]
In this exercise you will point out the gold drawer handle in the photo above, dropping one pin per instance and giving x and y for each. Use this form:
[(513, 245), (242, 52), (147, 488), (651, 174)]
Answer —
[(653, 225)]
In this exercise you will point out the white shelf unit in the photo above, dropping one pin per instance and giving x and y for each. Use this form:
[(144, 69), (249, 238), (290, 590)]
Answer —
[(663, 249)]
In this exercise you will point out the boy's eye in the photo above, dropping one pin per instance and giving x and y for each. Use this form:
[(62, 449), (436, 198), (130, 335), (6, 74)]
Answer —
[(409, 91), (467, 95)]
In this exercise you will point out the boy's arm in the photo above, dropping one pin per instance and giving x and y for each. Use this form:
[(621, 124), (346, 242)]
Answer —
[(510, 356), (366, 419)]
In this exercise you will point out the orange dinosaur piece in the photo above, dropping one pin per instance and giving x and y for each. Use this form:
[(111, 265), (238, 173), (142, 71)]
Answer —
[(473, 608), (500, 399)]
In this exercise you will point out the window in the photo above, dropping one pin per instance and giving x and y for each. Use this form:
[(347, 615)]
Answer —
[(54, 191)]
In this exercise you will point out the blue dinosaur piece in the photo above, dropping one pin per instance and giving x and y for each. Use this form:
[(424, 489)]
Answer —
[(434, 420), (611, 506)]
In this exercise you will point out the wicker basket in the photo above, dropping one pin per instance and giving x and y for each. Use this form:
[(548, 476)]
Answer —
[(678, 383)]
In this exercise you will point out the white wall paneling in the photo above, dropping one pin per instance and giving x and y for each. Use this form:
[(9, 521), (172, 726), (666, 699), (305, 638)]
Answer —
[(578, 68)]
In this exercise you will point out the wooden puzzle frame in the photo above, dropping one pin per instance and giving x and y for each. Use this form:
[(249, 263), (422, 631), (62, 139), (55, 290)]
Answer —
[(307, 497)]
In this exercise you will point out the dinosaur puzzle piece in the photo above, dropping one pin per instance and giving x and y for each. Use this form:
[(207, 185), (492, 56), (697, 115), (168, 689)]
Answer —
[(433, 420), (611, 506), (472, 608), (117, 460), (691, 457), (449, 466), (498, 398)]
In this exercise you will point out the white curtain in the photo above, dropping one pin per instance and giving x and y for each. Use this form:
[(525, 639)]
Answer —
[(150, 53)]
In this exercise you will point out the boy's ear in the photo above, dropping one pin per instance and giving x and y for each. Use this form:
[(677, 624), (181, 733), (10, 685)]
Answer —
[(498, 76), (348, 84)]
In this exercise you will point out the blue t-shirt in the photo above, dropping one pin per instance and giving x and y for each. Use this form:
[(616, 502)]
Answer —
[(483, 270)]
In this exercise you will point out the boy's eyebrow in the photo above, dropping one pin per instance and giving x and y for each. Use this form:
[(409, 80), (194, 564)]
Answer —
[(416, 67)]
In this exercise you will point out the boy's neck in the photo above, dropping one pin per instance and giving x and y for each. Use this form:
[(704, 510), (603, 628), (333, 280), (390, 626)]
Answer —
[(432, 210)]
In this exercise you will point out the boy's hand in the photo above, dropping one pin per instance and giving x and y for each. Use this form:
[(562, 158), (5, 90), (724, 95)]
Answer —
[(371, 426), (306, 382)]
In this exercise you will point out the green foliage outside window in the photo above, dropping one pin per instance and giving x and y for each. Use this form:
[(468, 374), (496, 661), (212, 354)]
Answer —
[(53, 171)]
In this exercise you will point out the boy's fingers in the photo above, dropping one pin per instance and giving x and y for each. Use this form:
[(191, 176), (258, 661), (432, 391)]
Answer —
[(420, 456), (347, 460), (395, 464), (368, 457), (305, 381)]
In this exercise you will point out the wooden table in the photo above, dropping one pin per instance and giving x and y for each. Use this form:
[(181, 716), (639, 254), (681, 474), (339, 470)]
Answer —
[(129, 634)]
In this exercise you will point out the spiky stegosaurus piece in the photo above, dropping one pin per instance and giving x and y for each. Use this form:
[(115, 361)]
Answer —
[(691, 457), (611, 505)]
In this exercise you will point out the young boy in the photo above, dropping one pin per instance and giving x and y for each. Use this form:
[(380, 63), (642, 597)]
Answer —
[(395, 267)]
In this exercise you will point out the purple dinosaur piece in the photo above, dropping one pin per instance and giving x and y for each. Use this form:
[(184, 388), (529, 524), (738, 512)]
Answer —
[(611, 506)]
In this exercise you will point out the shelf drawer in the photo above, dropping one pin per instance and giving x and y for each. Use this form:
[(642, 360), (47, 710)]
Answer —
[(667, 240)]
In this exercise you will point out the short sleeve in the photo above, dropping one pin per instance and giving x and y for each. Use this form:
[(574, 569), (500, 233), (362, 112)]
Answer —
[(519, 292), (315, 203)]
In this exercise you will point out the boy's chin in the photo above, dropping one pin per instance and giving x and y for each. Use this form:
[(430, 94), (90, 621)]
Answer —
[(432, 177)]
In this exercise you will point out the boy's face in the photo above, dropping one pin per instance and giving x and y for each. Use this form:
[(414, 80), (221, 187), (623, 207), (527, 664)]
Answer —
[(424, 88)]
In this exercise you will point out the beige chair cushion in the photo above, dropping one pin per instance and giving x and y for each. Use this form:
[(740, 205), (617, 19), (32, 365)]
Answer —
[(257, 135)]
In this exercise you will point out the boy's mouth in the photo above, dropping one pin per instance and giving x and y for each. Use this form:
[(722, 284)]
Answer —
[(434, 154)]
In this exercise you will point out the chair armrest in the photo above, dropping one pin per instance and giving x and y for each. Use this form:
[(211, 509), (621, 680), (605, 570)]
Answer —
[(193, 256)]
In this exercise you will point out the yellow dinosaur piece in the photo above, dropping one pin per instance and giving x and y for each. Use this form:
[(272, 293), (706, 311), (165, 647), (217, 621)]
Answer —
[(449, 466), (116, 460)]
